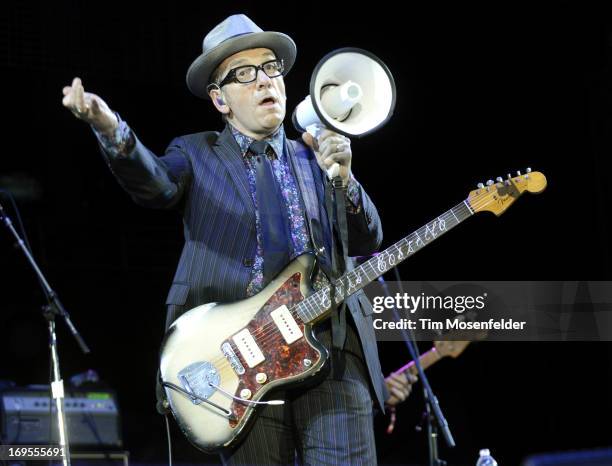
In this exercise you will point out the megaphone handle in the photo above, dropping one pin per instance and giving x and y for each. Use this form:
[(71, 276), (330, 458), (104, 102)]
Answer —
[(315, 132), (333, 171)]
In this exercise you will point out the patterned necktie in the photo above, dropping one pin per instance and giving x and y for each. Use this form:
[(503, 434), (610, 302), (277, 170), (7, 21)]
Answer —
[(273, 216)]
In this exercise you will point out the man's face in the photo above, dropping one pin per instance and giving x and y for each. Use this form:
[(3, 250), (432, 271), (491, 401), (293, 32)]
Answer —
[(257, 108)]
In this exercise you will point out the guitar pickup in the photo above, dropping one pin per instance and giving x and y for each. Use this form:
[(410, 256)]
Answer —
[(249, 350), (286, 324)]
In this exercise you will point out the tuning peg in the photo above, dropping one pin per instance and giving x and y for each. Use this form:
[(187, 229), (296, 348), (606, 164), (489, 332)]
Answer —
[(480, 185), (489, 183), (518, 173), (499, 179), (528, 170)]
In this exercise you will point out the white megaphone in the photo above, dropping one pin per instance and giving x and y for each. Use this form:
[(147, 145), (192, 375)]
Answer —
[(352, 92)]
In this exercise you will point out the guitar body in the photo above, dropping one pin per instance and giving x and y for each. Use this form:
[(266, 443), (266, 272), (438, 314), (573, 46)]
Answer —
[(211, 345)]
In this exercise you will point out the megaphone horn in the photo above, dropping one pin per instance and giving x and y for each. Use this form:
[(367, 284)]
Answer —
[(352, 92)]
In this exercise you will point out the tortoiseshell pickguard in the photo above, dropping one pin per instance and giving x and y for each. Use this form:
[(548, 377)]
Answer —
[(282, 360)]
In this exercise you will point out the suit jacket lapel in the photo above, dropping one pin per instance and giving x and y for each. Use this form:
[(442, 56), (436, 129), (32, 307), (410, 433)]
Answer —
[(228, 151), (308, 175), (305, 179)]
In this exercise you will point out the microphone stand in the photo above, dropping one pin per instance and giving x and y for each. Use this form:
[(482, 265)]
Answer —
[(54, 308), (433, 412)]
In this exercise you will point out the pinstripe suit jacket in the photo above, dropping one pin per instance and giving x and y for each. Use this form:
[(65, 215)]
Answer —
[(204, 175)]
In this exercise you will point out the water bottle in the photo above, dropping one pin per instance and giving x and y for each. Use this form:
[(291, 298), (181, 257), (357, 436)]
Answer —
[(485, 458)]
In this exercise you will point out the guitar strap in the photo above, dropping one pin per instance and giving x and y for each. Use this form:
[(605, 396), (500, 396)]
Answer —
[(335, 191), (310, 179)]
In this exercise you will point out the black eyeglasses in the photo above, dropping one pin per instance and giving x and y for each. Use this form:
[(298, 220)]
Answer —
[(248, 73)]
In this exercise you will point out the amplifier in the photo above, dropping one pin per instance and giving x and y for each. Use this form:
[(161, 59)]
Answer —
[(28, 417)]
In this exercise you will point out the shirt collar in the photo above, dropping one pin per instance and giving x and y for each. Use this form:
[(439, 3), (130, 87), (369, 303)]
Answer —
[(276, 140)]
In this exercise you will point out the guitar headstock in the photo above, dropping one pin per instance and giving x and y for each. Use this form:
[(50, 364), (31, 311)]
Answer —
[(451, 348), (497, 196), (451, 345)]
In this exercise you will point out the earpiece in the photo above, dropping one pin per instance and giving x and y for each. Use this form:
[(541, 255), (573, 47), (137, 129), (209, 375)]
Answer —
[(216, 87)]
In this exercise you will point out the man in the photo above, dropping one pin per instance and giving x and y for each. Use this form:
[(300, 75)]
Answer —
[(241, 228)]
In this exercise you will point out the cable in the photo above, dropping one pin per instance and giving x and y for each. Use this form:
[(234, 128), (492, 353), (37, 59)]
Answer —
[(169, 440)]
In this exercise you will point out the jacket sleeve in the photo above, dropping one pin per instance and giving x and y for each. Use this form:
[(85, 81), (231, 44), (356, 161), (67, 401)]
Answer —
[(364, 227), (151, 181)]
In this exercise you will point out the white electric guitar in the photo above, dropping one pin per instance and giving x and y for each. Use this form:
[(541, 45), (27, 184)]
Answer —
[(220, 361)]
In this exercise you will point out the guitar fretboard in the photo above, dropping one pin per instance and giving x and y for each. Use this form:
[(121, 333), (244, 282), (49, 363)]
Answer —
[(318, 304)]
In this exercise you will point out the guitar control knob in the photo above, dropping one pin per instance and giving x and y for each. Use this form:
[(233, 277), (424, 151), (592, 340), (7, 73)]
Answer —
[(307, 362), (245, 393), (261, 378)]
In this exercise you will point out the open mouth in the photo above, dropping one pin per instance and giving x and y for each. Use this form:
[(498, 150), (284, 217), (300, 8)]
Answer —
[(268, 101)]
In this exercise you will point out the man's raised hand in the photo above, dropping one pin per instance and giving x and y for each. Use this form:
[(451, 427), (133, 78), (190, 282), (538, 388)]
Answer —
[(89, 108)]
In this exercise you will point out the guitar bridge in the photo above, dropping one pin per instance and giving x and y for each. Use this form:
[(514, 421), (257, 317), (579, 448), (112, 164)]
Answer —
[(231, 357), (197, 378)]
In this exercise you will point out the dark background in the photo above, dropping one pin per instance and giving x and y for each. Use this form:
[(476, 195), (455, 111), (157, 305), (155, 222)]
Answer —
[(482, 90)]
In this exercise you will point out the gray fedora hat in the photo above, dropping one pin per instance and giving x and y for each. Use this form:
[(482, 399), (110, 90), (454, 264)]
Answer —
[(234, 34)]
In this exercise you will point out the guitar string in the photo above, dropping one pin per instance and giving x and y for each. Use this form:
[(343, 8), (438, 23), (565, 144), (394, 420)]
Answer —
[(271, 335), (268, 334), (325, 291)]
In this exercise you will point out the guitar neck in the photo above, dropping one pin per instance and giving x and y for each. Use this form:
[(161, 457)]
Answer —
[(427, 359), (318, 305)]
